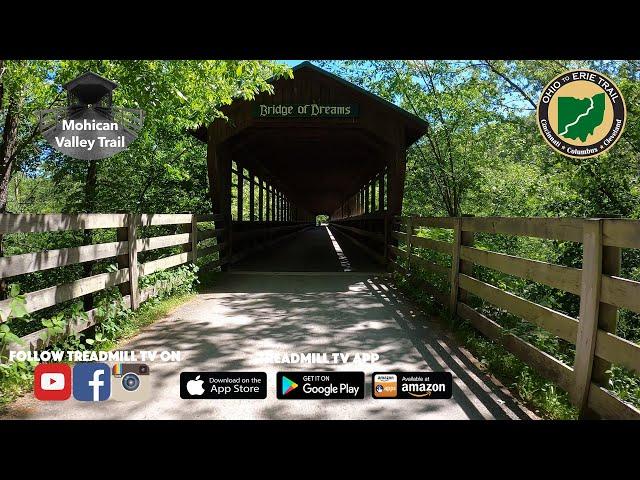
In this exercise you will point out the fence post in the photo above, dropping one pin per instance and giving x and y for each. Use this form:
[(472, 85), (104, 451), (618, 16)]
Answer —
[(589, 311), (454, 280), (129, 233), (133, 260), (194, 238), (461, 238), (467, 239), (409, 234), (607, 319)]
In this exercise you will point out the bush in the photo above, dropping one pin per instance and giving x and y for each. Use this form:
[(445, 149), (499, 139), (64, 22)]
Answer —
[(115, 320)]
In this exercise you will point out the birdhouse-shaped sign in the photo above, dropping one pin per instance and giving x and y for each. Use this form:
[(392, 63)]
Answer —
[(90, 90), (90, 127)]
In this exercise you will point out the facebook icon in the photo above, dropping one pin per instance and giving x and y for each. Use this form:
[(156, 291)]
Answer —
[(91, 382)]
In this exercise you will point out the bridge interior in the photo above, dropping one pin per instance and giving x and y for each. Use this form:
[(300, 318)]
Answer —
[(315, 249)]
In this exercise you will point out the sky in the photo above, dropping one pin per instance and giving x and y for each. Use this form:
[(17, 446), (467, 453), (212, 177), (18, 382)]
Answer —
[(291, 63)]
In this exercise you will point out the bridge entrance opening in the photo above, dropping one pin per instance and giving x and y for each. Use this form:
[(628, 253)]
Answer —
[(322, 220), (318, 144)]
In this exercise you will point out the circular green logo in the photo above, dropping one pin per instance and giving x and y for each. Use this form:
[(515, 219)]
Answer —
[(581, 113)]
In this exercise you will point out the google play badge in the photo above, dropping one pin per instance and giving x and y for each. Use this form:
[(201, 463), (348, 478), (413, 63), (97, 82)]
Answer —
[(288, 385)]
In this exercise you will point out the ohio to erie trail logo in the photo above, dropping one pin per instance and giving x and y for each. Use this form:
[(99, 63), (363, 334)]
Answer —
[(581, 113)]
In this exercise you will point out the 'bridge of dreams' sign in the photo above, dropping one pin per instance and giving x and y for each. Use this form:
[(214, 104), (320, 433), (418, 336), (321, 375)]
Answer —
[(305, 110)]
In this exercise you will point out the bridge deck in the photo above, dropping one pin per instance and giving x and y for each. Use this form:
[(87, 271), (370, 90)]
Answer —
[(248, 314), (317, 249)]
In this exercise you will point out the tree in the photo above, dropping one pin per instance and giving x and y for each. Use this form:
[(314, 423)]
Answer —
[(454, 99), (175, 95)]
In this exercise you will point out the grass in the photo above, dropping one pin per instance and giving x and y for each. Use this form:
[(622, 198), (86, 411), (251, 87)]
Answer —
[(148, 313), (16, 378), (541, 396), (207, 278)]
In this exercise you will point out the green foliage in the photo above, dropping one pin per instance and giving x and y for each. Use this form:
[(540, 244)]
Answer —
[(483, 155), (542, 396), (320, 219), (164, 170), (115, 321), (180, 280), (17, 310), (16, 378), (6, 336)]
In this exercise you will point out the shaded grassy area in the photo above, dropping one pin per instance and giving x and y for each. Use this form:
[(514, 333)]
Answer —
[(540, 395), (206, 279), (148, 313), (16, 378)]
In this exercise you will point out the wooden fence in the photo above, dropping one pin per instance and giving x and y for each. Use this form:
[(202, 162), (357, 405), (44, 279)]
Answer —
[(125, 251), (598, 284)]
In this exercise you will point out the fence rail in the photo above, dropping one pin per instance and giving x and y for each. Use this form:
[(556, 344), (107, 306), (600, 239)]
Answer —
[(598, 284), (125, 251)]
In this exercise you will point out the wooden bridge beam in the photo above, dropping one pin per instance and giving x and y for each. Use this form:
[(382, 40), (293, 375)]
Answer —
[(260, 199), (267, 213), (395, 183), (252, 196), (367, 206), (219, 166), (240, 189), (273, 202), (381, 191)]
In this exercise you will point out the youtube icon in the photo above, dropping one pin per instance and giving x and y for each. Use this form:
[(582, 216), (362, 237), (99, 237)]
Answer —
[(52, 382)]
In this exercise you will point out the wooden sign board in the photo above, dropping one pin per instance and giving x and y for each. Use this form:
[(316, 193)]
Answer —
[(311, 110)]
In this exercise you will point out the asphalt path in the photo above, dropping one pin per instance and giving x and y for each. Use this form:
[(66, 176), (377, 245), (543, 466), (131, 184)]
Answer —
[(245, 317)]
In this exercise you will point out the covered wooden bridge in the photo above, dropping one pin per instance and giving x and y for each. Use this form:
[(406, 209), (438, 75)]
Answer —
[(322, 146), (318, 146)]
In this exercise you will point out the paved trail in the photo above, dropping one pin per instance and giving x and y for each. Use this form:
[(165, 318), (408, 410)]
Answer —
[(248, 314)]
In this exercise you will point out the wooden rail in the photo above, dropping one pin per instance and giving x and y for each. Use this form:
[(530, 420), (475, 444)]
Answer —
[(598, 284), (379, 237), (368, 250), (368, 230), (125, 251)]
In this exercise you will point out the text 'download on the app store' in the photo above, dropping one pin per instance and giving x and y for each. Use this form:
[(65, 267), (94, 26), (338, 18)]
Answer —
[(223, 385)]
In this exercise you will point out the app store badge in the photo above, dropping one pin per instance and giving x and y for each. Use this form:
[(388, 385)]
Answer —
[(385, 385), (319, 385), (412, 385)]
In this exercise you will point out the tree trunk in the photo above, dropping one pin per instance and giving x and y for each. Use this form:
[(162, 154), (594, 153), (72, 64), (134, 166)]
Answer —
[(7, 150), (90, 206), (2, 67)]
